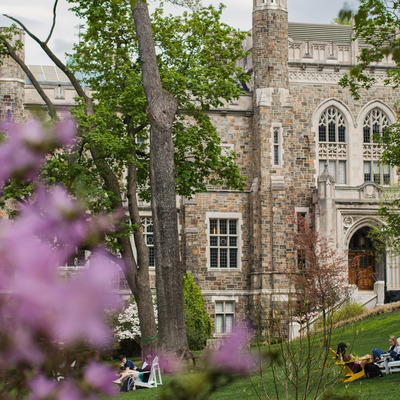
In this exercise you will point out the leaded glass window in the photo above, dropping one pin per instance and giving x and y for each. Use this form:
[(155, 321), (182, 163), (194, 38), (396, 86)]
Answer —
[(336, 168), (276, 147), (332, 126), (224, 317), (223, 236), (376, 172), (375, 123)]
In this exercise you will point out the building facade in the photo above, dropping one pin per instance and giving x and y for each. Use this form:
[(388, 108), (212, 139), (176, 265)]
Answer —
[(306, 147)]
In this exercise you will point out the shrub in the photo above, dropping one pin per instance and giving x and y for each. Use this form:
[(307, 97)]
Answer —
[(198, 322), (127, 328), (348, 310)]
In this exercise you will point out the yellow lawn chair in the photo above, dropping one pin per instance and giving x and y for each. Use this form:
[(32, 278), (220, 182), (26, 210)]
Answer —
[(350, 376)]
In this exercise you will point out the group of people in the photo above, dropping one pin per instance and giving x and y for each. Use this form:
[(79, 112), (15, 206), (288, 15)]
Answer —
[(128, 368), (357, 365)]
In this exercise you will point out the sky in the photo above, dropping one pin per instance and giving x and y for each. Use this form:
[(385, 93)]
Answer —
[(37, 16)]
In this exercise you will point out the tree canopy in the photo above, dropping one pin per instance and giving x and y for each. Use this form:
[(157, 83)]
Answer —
[(196, 57), (377, 23)]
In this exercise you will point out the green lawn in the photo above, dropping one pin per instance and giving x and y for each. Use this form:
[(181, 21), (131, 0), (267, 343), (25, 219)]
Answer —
[(361, 338)]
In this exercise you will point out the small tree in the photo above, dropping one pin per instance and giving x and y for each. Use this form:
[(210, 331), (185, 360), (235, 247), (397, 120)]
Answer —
[(128, 324), (197, 321), (317, 281)]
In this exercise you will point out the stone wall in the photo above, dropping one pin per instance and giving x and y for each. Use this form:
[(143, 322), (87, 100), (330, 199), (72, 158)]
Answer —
[(12, 83)]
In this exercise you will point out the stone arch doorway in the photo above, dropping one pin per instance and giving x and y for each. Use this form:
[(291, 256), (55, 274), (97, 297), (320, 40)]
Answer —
[(362, 260)]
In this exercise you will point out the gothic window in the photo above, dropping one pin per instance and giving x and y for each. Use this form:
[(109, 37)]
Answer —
[(332, 126), (147, 226), (332, 144), (224, 317), (337, 169), (375, 123)]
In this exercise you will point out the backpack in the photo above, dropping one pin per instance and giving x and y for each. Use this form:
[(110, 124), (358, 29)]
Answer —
[(127, 385), (372, 371)]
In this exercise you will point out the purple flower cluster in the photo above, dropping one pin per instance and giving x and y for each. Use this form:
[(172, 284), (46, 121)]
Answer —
[(41, 315), (233, 357), (22, 154)]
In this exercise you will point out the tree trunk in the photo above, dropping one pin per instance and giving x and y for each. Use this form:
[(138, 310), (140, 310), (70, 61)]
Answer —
[(149, 331), (162, 108)]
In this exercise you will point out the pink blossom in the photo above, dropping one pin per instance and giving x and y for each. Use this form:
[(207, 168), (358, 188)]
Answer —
[(70, 391), (16, 155), (37, 307), (82, 313), (233, 357), (22, 154), (42, 388), (100, 377), (65, 131)]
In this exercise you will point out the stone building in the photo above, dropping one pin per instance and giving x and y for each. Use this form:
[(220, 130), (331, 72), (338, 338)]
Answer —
[(305, 146), (294, 122)]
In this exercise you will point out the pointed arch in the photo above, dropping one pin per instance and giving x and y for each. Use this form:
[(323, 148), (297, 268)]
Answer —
[(333, 102), (332, 126), (369, 222), (376, 104)]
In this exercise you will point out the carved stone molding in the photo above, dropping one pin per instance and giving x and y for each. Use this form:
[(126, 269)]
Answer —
[(348, 221), (369, 192), (326, 77)]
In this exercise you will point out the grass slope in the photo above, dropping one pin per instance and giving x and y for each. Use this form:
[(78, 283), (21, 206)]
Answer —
[(361, 336)]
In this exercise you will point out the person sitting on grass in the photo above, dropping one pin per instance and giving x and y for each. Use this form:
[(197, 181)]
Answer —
[(126, 366), (144, 373), (394, 350), (354, 364)]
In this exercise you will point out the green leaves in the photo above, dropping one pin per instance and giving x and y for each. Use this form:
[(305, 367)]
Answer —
[(196, 57), (197, 321)]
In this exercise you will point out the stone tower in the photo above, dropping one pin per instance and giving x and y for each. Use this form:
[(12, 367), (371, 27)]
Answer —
[(12, 84), (280, 185)]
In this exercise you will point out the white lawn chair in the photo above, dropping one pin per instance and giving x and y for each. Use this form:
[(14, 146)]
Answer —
[(388, 365), (157, 370), (394, 366), (152, 381)]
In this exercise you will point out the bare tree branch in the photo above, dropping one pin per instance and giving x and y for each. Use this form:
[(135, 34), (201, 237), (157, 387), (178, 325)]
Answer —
[(54, 22), (75, 83), (35, 83)]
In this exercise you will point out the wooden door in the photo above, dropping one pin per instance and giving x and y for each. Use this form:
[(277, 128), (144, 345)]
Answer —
[(362, 270)]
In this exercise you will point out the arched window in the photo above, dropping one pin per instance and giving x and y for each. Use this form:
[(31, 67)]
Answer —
[(332, 126), (375, 122), (332, 144)]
